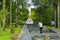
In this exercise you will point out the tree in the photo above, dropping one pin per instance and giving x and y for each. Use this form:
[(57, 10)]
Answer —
[(56, 4), (4, 15), (17, 8), (11, 28), (43, 11), (0, 4), (10, 12)]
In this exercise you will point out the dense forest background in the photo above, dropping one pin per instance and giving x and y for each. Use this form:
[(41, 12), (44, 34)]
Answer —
[(15, 12)]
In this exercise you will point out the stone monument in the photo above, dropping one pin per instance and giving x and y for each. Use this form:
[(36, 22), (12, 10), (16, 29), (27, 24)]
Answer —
[(29, 20)]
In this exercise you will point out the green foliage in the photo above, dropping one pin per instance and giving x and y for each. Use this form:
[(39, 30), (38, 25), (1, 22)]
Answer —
[(6, 35), (46, 15), (23, 15), (38, 2), (33, 15), (3, 14), (8, 4)]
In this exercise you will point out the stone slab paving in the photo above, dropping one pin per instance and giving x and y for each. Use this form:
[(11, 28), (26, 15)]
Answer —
[(25, 35), (31, 32)]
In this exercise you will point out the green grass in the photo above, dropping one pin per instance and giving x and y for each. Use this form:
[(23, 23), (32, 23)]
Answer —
[(6, 35), (16, 31), (49, 27), (57, 28)]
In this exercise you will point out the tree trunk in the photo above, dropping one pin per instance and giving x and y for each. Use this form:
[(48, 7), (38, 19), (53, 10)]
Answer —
[(56, 18), (10, 12), (4, 4), (16, 15), (3, 20), (58, 14), (11, 28)]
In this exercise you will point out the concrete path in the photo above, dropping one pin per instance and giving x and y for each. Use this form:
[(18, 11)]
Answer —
[(31, 32)]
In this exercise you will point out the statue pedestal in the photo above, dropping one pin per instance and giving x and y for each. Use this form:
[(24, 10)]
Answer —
[(29, 21)]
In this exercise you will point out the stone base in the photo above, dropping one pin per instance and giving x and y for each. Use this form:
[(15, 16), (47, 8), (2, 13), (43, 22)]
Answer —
[(29, 21)]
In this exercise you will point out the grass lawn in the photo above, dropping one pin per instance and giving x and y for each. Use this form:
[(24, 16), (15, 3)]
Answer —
[(6, 35), (49, 27)]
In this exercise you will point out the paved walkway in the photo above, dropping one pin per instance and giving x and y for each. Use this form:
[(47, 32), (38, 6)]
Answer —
[(31, 32)]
